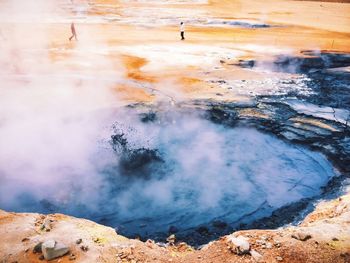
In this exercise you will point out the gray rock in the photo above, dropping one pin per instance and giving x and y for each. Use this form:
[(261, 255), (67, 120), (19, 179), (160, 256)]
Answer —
[(46, 225), (257, 257), (52, 249), (239, 245)]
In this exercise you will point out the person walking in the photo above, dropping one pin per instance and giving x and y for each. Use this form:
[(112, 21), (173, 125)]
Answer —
[(74, 33), (182, 30)]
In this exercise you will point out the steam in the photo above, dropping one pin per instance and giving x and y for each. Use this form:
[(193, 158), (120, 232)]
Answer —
[(207, 172), (57, 155), (50, 118)]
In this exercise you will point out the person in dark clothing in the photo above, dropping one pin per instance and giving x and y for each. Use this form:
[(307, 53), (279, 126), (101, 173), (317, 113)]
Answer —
[(182, 30), (74, 33)]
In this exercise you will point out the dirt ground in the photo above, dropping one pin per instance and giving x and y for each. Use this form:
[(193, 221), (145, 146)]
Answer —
[(146, 52)]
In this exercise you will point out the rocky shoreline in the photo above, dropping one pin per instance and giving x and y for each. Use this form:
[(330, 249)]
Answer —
[(321, 237)]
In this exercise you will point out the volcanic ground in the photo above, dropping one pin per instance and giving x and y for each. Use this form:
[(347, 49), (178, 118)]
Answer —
[(244, 125)]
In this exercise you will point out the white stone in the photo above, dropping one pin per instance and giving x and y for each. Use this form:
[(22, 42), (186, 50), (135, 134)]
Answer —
[(51, 249), (257, 257), (240, 245)]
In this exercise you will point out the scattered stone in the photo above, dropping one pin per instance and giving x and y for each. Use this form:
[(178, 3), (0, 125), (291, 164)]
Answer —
[(268, 245), (171, 239), (84, 248), (150, 243), (260, 242), (37, 248), (301, 236), (279, 258), (26, 250), (78, 241), (340, 208), (41, 257), (52, 249), (257, 257), (98, 240), (239, 245), (72, 257), (25, 239), (335, 239), (277, 244), (264, 237), (46, 225)]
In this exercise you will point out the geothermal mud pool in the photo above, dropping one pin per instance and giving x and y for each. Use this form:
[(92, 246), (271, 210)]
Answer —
[(189, 171), (197, 168), (183, 172)]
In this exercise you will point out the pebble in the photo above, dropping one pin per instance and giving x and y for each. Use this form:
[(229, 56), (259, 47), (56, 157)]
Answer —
[(277, 244), (84, 248), (150, 243), (279, 258), (46, 225), (72, 257), (78, 241)]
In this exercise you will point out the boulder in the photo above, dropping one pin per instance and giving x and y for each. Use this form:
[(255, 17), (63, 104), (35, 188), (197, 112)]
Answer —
[(52, 249), (239, 245)]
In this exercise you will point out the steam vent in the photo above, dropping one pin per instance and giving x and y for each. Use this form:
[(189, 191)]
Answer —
[(180, 131)]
